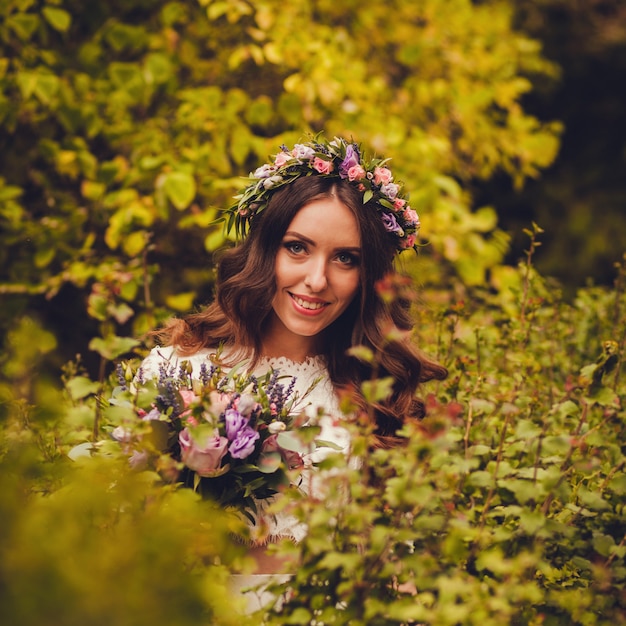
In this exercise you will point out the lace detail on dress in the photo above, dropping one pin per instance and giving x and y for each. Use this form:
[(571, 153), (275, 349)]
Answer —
[(311, 365), (313, 384)]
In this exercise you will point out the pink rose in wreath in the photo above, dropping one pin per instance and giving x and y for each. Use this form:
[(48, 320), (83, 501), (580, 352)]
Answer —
[(322, 166)]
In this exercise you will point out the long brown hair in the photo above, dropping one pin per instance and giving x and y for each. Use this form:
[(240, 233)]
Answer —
[(246, 287)]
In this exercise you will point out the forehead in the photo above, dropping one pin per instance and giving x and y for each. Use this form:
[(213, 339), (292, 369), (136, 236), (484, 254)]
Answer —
[(327, 221)]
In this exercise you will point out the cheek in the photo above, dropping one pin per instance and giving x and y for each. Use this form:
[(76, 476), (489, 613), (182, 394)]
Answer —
[(281, 270), (350, 286)]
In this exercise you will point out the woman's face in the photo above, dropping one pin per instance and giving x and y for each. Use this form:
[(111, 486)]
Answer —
[(317, 272)]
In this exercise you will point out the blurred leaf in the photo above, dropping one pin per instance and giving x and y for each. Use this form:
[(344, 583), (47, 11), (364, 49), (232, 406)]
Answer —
[(58, 18), (180, 189), (181, 301), (81, 386), (112, 346)]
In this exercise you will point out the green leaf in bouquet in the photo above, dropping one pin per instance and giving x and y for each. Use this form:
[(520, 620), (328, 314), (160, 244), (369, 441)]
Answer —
[(269, 462), (290, 440), (216, 473), (146, 395), (321, 443), (120, 413), (158, 435), (253, 485)]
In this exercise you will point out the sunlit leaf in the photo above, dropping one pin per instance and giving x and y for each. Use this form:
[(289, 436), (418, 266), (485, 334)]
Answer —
[(180, 189)]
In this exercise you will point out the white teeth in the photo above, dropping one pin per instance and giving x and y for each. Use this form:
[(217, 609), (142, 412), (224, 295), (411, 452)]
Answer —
[(305, 304)]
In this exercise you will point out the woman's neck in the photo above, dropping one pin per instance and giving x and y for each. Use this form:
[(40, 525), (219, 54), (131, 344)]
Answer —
[(278, 341)]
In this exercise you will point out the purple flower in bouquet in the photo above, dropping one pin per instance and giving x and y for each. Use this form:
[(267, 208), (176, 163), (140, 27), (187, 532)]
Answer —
[(243, 445), (202, 457), (153, 414), (241, 435), (234, 422)]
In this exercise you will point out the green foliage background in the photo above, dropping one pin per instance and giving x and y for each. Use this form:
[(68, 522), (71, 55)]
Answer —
[(579, 200), (126, 125)]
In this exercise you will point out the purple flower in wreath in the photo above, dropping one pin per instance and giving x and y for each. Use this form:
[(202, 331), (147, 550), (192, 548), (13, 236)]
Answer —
[(350, 160), (390, 190), (264, 171), (302, 151), (390, 223)]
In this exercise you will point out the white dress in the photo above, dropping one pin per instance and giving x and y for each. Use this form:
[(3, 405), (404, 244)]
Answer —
[(321, 396)]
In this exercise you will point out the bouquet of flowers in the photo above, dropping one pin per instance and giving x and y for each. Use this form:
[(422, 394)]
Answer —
[(233, 437)]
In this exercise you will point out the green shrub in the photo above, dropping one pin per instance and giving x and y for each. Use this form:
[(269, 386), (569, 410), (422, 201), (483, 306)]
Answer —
[(507, 505), (108, 546)]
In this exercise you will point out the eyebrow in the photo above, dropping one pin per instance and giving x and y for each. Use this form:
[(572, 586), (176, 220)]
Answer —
[(293, 233)]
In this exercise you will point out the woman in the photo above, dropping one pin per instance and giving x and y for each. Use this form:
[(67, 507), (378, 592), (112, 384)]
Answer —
[(321, 227)]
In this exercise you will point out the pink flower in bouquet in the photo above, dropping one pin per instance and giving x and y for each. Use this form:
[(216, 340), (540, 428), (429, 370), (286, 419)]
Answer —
[(219, 402), (246, 405), (154, 414), (292, 459), (188, 397), (121, 434), (202, 457)]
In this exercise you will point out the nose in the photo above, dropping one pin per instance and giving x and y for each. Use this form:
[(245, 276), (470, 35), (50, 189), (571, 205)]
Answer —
[(315, 278)]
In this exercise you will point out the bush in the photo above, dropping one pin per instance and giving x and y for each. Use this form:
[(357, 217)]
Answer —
[(506, 506)]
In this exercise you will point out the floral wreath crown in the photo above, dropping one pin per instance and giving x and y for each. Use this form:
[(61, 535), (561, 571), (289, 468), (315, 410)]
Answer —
[(335, 159)]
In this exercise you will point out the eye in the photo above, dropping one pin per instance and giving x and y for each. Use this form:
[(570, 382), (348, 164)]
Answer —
[(295, 247), (348, 259)]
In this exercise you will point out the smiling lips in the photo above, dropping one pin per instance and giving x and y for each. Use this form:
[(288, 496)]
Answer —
[(311, 306)]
